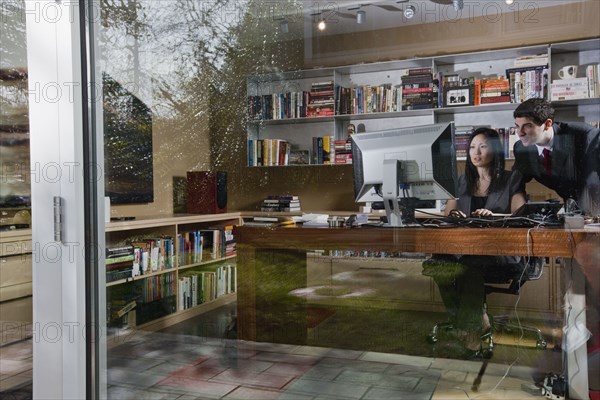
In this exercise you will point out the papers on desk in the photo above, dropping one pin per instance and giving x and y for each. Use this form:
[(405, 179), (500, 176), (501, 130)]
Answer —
[(313, 220), (269, 222), (592, 227), (325, 221)]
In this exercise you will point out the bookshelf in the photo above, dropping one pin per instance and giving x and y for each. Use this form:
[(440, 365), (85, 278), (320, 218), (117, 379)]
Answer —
[(179, 278), (266, 122)]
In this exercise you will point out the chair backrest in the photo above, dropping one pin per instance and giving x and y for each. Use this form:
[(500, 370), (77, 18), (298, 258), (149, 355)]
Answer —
[(529, 269)]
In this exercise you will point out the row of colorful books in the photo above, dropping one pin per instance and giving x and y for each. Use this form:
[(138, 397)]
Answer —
[(423, 88), (141, 257), (145, 256), (317, 102), (321, 101), (205, 245), (158, 287), (278, 152), (197, 287), (268, 152), (508, 137), (327, 150), (279, 106)]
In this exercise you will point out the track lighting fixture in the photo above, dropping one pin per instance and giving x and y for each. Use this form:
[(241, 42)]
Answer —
[(409, 12), (361, 17)]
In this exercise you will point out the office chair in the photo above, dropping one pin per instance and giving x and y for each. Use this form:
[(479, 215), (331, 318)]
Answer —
[(515, 275)]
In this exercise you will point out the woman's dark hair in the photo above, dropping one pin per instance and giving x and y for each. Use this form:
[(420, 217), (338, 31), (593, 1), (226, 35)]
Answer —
[(496, 167)]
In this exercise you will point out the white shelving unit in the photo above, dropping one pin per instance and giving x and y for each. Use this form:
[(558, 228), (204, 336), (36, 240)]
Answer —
[(299, 131)]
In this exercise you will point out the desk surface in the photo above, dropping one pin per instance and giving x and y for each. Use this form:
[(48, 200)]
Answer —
[(484, 241)]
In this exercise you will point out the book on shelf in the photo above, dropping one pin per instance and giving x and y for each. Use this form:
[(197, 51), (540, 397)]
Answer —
[(161, 253), (328, 150), (419, 89), (461, 140), (229, 240), (317, 150), (531, 61), (158, 287), (268, 152), (507, 135), (206, 244), (592, 73), (368, 99), (278, 106), (118, 251), (569, 89), (343, 151), (320, 110), (190, 247), (527, 82), (143, 256), (419, 71), (493, 89), (119, 259), (198, 287), (321, 100), (211, 244), (281, 207), (283, 203), (283, 197)]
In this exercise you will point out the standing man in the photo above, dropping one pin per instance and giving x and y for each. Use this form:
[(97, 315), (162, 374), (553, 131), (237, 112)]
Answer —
[(563, 156)]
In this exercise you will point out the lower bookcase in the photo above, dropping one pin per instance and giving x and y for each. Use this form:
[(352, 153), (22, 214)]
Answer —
[(165, 270)]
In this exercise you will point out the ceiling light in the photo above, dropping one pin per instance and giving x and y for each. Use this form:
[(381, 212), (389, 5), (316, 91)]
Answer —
[(409, 12), (321, 25), (458, 4), (361, 17), (509, 2), (284, 26)]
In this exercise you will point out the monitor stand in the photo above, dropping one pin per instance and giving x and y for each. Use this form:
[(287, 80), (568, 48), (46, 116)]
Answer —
[(401, 212)]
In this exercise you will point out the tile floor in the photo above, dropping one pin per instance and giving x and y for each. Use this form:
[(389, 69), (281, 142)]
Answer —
[(163, 366), (174, 364), (16, 360)]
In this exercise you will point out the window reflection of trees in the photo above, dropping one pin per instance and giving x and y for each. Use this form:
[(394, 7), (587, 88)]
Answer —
[(189, 59)]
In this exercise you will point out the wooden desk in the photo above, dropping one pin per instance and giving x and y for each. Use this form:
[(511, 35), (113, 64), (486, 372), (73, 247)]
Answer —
[(254, 243)]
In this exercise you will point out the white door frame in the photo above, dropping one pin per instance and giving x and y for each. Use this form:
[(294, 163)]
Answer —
[(56, 114)]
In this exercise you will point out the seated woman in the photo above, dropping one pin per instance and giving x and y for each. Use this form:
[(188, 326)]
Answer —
[(485, 188)]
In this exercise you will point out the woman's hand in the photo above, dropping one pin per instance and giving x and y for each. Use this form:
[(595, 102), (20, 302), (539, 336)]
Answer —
[(482, 212)]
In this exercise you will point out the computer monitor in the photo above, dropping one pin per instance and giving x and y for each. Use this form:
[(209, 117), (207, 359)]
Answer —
[(404, 166)]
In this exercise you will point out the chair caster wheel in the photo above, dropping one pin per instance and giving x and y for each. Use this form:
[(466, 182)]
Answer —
[(541, 345), (431, 339)]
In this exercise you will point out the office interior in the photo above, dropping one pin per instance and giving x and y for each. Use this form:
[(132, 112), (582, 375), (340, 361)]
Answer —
[(360, 326)]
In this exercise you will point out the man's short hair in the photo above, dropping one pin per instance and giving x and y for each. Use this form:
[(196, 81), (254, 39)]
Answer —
[(536, 109)]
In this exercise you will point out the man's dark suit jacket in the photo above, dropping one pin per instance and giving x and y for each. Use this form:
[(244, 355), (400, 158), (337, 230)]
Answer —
[(575, 162)]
